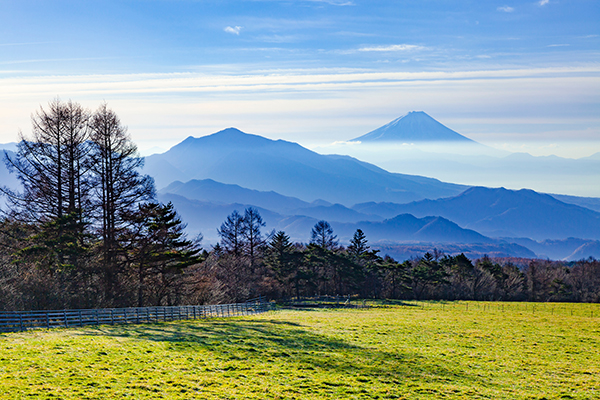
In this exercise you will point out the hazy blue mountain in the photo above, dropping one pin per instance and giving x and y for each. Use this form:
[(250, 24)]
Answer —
[(503, 213), (206, 217), (416, 126), (12, 146), (553, 249), (6, 178), (472, 251), (591, 249), (335, 212), (593, 203), (406, 227), (417, 144), (216, 192), (254, 162)]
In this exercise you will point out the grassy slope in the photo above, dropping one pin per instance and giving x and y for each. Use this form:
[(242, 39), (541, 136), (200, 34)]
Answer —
[(385, 352)]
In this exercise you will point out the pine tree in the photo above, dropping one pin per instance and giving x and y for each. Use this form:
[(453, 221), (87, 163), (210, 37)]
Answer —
[(322, 235), (159, 252)]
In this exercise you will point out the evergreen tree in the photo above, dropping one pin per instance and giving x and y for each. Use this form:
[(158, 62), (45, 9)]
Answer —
[(358, 245), (232, 234), (159, 252), (285, 261), (322, 235)]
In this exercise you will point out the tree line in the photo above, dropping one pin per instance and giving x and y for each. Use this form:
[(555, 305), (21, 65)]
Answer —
[(245, 264), (86, 231)]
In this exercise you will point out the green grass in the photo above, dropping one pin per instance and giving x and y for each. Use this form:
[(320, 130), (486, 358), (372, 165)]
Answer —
[(417, 351)]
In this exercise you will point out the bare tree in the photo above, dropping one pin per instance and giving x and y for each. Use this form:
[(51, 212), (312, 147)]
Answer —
[(52, 164), (120, 187), (53, 168), (252, 223)]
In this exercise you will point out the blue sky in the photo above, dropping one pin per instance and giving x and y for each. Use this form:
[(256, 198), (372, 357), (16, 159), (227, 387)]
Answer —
[(518, 75)]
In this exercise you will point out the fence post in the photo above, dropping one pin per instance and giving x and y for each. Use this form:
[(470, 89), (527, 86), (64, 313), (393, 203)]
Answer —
[(66, 321), (80, 319), (21, 321), (47, 321)]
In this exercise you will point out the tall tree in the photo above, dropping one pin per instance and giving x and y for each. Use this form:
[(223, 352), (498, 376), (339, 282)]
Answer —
[(119, 186), (253, 241), (358, 245), (322, 235), (232, 234), (159, 251), (53, 168), (427, 274), (283, 258)]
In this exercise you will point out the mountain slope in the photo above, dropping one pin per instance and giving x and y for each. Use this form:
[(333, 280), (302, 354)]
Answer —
[(502, 212), (416, 126), (254, 162), (216, 192)]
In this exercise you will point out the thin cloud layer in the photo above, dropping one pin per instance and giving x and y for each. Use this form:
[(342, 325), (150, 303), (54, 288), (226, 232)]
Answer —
[(506, 9), (393, 47)]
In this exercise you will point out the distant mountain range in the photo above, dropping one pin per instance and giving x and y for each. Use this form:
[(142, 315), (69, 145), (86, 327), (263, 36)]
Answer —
[(416, 126), (207, 178), (234, 157), (386, 223), (502, 213), (570, 249), (205, 217)]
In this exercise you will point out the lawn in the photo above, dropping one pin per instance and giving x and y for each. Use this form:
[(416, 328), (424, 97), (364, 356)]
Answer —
[(389, 351)]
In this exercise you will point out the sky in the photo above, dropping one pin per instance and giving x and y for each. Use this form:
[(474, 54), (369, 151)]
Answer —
[(515, 75)]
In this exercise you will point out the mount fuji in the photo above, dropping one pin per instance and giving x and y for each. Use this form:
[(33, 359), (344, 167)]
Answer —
[(416, 126)]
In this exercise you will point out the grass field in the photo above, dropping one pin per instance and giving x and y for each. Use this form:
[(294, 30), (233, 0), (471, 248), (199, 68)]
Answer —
[(425, 351)]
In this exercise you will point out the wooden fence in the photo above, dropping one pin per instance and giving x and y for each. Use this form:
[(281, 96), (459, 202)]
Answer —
[(14, 321)]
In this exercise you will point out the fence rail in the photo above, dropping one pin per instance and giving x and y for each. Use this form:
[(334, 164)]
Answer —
[(14, 321)]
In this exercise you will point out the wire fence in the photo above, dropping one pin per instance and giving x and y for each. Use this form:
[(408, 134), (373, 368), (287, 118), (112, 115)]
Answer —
[(591, 310), (15, 321)]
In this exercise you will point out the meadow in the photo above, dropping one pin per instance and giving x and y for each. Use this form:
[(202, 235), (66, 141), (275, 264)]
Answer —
[(391, 350)]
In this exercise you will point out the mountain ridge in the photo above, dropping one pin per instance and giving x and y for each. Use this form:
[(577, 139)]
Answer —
[(500, 212), (254, 162)]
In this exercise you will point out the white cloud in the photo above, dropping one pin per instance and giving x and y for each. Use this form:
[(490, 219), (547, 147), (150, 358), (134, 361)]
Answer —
[(543, 2), (394, 47), (506, 9), (233, 30)]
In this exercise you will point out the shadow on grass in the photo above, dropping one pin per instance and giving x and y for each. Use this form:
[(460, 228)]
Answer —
[(260, 342)]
